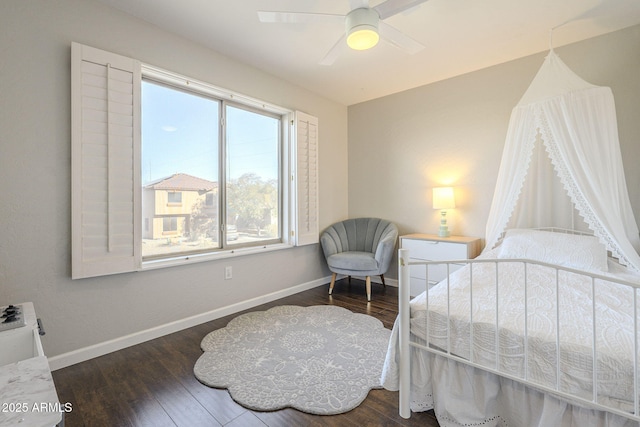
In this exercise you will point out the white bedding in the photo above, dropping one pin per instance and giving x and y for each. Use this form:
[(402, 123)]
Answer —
[(614, 331)]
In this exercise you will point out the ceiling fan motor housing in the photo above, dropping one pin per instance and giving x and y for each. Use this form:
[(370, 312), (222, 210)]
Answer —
[(362, 28)]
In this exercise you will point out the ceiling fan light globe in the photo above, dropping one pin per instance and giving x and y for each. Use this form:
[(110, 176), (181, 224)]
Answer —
[(362, 28), (362, 38)]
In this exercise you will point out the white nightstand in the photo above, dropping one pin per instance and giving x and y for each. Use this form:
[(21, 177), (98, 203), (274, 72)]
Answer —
[(430, 247)]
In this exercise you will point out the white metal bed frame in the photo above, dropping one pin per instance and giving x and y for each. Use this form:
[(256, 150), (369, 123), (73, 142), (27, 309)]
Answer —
[(405, 343)]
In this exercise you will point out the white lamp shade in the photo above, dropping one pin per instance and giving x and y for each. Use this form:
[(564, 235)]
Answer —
[(443, 198)]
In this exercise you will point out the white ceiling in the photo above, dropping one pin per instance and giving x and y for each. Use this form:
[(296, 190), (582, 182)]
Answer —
[(460, 36)]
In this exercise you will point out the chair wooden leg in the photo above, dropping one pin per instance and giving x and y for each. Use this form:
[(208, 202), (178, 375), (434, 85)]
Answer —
[(333, 282), (382, 277), (368, 288)]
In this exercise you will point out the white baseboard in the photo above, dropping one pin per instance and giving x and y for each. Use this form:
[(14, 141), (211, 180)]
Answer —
[(96, 350), (392, 282)]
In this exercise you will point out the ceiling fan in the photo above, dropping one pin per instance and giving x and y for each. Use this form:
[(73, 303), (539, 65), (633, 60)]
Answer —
[(364, 25)]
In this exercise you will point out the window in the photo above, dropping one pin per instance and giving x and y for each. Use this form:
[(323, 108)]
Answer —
[(188, 139), (170, 225), (174, 197), (252, 184), (210, 173)]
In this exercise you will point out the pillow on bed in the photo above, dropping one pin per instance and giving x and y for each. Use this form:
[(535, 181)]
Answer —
[(568, 250)]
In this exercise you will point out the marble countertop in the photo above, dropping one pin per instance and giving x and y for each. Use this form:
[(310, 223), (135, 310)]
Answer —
[(27, 394)]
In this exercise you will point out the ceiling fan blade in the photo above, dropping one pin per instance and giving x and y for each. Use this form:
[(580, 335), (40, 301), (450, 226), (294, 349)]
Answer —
[(298, 17), (399, 39), (357, 4), (335, 51), (393, 7)]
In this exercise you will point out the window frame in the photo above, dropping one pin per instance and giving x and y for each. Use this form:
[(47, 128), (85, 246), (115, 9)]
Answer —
[(106, 173), (281, 180), (286, 201), (174, 202), (171, 231)]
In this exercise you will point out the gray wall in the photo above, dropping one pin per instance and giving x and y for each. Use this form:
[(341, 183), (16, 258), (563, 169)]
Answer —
[(453, 132), (399, 147), (35, 171)]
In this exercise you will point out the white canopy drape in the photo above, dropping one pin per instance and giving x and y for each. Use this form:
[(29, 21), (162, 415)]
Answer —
[(562, 166)]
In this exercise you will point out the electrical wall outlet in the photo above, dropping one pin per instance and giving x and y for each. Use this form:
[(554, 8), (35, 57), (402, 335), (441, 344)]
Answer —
[(228, 272)]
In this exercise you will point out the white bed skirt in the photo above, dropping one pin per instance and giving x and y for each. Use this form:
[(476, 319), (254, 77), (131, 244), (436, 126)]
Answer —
[(462, 395)]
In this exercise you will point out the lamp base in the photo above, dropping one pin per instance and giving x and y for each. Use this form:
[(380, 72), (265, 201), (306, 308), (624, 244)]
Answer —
[(444, 229)]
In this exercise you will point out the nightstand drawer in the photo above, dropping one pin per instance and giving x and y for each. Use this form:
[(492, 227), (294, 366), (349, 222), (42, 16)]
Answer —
[(429, 250), (429, 247)]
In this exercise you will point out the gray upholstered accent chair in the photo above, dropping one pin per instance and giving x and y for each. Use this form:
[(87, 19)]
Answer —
[(359, 247)]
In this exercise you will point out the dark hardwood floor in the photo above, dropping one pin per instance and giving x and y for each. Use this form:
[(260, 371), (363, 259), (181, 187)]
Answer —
[(152, 384)]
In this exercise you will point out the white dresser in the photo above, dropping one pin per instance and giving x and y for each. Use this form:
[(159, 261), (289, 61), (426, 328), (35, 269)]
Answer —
[(430, 247)]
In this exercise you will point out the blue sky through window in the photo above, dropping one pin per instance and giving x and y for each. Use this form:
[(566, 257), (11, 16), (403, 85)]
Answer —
[(252, 144), (180, 132)]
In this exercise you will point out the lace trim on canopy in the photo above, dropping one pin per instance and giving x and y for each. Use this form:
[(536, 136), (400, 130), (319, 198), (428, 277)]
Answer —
[(573, 191), (524, 159)]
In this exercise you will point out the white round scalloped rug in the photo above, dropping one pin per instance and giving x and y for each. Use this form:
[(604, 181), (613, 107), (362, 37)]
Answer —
[(321, 359)]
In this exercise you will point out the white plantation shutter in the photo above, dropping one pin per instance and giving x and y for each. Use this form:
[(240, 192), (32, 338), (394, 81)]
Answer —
[(106, 220), (307, 228)]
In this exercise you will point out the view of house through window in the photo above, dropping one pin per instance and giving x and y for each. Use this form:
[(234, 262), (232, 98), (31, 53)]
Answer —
[(210, 173), (252, 200)]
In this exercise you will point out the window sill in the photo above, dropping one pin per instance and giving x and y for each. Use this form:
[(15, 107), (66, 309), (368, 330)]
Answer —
[(212, 256)]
